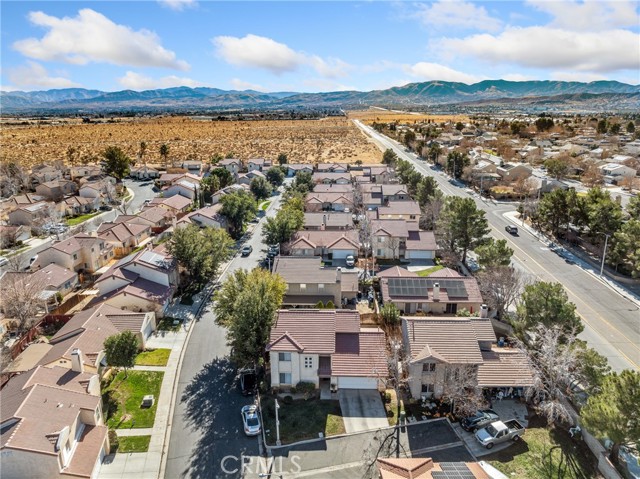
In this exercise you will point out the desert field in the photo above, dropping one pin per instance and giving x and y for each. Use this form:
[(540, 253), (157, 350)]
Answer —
[(304, 141), (386, 116)]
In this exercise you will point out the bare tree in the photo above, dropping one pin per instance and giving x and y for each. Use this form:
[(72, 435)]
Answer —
[(501, 286), (592, 176), (365, 233), (431, 212), (21, 297), (393, 243), (524, 187), (13, 178), (460, 388)]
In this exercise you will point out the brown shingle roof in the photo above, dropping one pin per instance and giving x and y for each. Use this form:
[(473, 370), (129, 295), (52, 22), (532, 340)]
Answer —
[(328, 238), (87, 451), (332, 188), (504, 367), (400, 208), (396, 272), (302, 269), (360, 354)]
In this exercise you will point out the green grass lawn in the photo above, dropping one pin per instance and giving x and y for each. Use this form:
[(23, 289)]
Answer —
[(545, 453), (80, 219), (133, 443), (123, 396), (264, 205), (428, 271), (153, 357), (302, 419)]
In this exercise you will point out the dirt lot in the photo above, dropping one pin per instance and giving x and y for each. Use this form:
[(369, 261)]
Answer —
[(304, 141), (386, 116)]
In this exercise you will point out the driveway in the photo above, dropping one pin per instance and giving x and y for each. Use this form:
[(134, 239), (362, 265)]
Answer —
[(362, 410)]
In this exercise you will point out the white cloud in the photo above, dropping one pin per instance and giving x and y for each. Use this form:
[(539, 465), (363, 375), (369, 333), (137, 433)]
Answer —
[(458, 14), (265, 53), (552, 48), (435, 71), (33, 75), (92, 37), (242, 85), (590, 15), (178, 5), (136, 81)]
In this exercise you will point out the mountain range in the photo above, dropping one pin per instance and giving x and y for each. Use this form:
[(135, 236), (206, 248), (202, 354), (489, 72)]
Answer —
[(431, 93)]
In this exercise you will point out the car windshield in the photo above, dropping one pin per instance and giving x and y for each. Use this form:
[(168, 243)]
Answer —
[(492, 430), (252, 421)]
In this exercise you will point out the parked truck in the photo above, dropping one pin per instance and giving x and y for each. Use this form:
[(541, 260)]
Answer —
[(499, 431)]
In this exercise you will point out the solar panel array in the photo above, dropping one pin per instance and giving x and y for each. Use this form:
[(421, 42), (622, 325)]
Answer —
[(453, 470), (417, 287)]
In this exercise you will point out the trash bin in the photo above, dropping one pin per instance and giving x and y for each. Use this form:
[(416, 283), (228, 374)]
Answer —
[(402, 420)]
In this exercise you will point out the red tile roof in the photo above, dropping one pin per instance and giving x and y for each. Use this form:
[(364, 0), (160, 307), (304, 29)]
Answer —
[(360, 354)]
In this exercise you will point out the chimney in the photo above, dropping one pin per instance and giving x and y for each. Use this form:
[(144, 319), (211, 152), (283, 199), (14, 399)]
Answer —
[(338, 275), (76, 361), (436, 291), (484, 311)]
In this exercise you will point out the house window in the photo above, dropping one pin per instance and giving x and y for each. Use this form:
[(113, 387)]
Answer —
[(380, 239), (412, 217), (379, 252), (428, 367), (285, 378), (75, 256), (452, 308), (284, 356), (428, 388), (320, 285), (303, 287), (308, 362)]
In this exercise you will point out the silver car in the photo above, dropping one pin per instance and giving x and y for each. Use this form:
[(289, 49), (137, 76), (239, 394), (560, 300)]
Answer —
[(250, 420)]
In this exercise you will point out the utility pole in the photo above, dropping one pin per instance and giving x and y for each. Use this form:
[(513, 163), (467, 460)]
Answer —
[(278, 443), (604, 252)]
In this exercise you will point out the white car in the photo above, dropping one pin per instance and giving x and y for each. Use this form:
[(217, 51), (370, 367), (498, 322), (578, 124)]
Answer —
[(250, 420), (3, 260), (350, 261)]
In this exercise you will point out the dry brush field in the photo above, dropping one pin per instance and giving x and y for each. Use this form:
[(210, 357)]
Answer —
[(304, 141), (387, 116)]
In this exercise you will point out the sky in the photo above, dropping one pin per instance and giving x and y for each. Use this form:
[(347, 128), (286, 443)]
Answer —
[(307, 46)]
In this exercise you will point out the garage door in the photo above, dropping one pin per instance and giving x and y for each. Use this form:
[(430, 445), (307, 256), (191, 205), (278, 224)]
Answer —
[(419, 255), (357, 383), (342, 253)]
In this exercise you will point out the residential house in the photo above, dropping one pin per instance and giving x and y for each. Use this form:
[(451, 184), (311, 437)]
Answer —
[(52, 425), (84, 171), (425, 468), (258, 164), (330, 177), (399, 239), (327, 348), (80, 252), (308, 282), (332, 188), (438, 348), (57, 189), (232, 165), (510, 172), (94, 189), (614, 172), (332, 167), (176, 204), (316, 202), (124, 236), (31, 215), (43, 173), (19, 201), (396, 272), (209, 216), (404, 210), (144, 172), (328, 221), (442, 292), (378, 173), (294, 168), (142, 281), (375, 195), (157, 217), (183, 187), (245, 178), (78, 205), (331, 245), (195, 167), (168, 178)]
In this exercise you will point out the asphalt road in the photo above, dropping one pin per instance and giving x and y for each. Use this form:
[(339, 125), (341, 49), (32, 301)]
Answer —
[(612, 322), (207, 439)]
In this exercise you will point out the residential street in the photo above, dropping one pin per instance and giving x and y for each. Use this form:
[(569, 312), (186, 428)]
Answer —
[(612, 322), (206, 425)]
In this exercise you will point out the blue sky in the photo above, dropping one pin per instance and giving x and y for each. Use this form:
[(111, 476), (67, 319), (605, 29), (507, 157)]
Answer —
[(313, 46)]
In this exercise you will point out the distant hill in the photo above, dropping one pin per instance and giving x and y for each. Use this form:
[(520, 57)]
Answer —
[(177, 99)]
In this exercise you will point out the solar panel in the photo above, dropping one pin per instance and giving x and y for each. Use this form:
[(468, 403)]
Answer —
[(453, 470), (417, 287)]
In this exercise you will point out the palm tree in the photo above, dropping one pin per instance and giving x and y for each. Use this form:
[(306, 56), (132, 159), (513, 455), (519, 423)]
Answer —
[(164, 153), (142, 151)]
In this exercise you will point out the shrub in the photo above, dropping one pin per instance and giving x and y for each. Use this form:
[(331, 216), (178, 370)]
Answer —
[(293, 390), (113, 440), (330, 305), (287, 400), (387, 397), (305, 387), (319, 305), (390, 413)]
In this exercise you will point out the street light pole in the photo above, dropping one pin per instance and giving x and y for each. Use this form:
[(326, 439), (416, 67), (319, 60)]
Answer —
[(278, 443), (604, 252)]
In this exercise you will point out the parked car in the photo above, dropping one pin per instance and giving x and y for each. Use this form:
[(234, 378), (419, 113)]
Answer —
[(511, 229), (106, 208), (246, 250), (250, 420), (274, 250), (248, 381), (479, 420), (3, 261), (350, 261), (499, 431), (32, 260)]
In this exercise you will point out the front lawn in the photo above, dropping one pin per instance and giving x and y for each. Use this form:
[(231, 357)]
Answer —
[(545, 452), (123, 396), (428, 271), (264, 205), (80, 219), (302, 419), (153, 357), (133, 443)]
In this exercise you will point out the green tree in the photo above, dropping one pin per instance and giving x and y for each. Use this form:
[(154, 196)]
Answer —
[(224, 175), (238, 207), (602, 126), (516, 127), (409, 138), (275, 175), (494, 253), (604, 214), (434, 152), (633, 207), (164, 154), (142, 151), (544, 123), (303, 182), (615, 128), (260, 188), (557, 167), (426, 190), (553, 210), (456, 162), (459, 126), (200, 251), (389, 157), (282, 158), (209, 185), (280, 228), (625, 247), (614, 413), (246, 305), (631, 127), (390, 315), (121, 350), (117, 163), (547, 304), (462, 226), (592, 367)]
